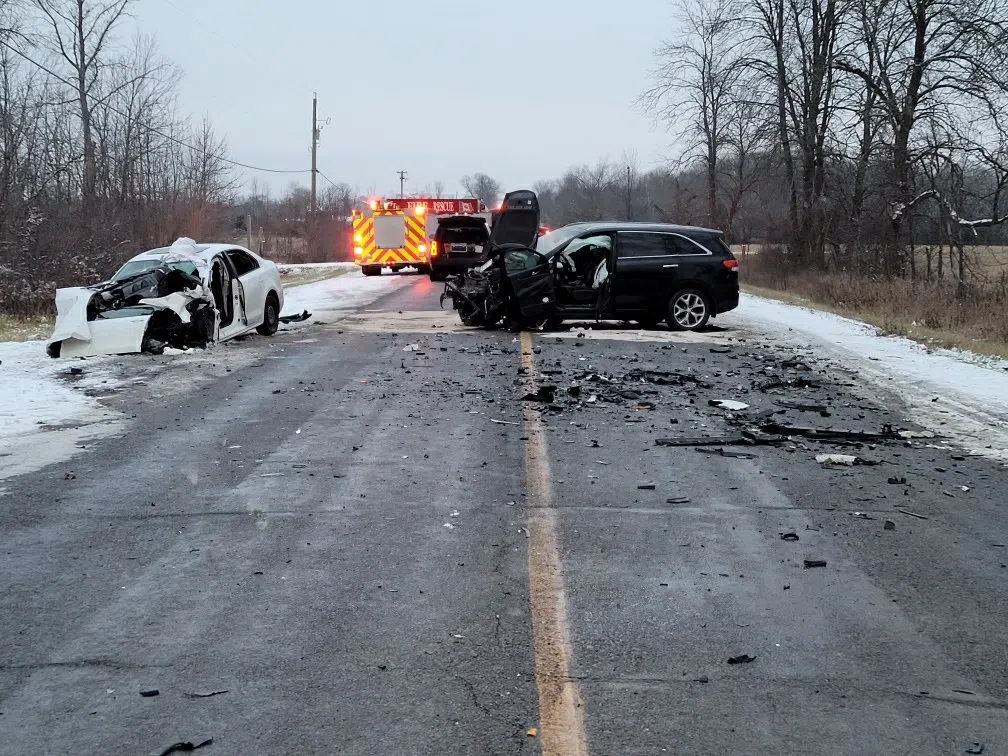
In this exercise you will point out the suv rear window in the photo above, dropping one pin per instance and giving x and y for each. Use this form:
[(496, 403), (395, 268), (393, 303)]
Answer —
[(712, 243)]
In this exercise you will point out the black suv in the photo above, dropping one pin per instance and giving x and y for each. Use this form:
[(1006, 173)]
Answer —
[(459, 243), (645, 272)]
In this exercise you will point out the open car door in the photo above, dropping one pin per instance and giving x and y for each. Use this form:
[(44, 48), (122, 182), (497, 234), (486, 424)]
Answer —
[(517, 220), (531, 279)]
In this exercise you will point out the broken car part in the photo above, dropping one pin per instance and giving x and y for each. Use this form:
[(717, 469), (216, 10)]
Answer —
[(741, 659)]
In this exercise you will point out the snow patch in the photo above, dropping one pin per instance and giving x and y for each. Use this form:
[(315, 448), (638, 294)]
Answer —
[(42, 417), (341, 294)]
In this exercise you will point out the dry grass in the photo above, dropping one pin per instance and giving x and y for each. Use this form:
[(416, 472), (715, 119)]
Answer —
[(933, 313), (14, 328)]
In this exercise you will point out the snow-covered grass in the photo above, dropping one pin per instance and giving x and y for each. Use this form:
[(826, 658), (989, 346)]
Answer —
[(299, 275), (286, 268), (956, 394)]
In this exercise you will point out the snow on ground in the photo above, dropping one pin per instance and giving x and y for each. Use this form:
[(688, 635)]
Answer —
[(44, 409), (343, 293), (47, 414), (957, 395)]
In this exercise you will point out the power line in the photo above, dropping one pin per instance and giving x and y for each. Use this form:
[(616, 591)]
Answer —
[(163, 135), (331, 182), (200, 25)]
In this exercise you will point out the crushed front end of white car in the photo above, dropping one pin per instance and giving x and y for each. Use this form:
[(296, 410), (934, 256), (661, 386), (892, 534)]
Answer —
[(164, 305)]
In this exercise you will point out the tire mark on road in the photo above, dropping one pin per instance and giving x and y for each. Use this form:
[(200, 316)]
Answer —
[(561, 724)]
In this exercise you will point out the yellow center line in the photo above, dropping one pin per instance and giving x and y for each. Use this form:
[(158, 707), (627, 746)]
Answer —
[(561, 723)]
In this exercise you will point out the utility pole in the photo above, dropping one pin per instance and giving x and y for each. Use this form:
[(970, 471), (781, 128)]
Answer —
[(314, 154), (402, 184)]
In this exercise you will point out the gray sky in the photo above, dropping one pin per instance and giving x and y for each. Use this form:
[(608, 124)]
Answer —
[(440, 88)]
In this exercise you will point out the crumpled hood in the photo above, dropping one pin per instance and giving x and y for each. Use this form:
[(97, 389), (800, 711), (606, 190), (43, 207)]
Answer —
[(112, 317)]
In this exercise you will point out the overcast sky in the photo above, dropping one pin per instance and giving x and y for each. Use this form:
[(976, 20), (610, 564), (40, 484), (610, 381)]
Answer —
[(439, 88)]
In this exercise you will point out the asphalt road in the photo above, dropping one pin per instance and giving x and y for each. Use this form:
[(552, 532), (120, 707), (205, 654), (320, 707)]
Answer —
[(364, 550)]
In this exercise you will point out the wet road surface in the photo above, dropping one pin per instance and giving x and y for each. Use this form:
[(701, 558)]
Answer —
[(363, 547)]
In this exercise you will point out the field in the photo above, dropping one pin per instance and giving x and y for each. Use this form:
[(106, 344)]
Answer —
[(937, 313)]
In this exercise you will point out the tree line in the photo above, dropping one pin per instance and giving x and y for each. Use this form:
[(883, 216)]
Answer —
[(96, 161), (860, 128)]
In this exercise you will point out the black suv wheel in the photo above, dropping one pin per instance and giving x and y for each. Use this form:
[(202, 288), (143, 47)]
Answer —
[(688, 310)]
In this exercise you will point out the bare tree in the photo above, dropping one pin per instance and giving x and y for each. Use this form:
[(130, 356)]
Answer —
[(78, 31), (693, 85), (916, 57), (483, 187)]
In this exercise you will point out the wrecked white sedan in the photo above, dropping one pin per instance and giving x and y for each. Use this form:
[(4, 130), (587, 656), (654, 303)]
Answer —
[(181, 296)]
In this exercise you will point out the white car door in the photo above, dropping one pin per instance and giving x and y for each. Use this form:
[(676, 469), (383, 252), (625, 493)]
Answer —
[(254, 282), (239, 321)]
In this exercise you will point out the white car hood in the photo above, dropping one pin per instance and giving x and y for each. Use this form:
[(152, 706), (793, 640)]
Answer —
[(112, 333)]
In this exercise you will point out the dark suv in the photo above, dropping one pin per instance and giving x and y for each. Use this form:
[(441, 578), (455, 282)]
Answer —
[(646, 272), (459, 243), (627, 271)]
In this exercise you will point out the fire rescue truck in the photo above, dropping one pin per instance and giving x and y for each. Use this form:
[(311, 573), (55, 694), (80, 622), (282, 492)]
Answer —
[(396, 233)]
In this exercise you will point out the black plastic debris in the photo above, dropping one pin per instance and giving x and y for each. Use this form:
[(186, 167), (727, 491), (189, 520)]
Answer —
[(295, 318), (211, 694), (741, 659), (543, 394), (662, 377), (812, 563), (886, 434), (150, 693), (574, 391), (701, 679), (713, 441), (786, 383), (76, 371), (786, 404), (795, 365), (976, 748), (720, 349), (646, 487), (897, 481), (677, 500), (889, 525), (185, 747), (720, 452), (789, 536)]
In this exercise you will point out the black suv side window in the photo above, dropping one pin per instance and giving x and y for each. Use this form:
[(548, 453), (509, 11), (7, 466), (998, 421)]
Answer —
[(641, 244), (677, 244)]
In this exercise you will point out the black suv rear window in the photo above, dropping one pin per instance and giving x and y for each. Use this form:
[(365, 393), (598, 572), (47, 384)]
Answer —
[(713, 243)]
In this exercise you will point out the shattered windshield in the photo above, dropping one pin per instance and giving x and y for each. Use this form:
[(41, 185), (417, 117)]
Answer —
[(551, 242), (139, 266)]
